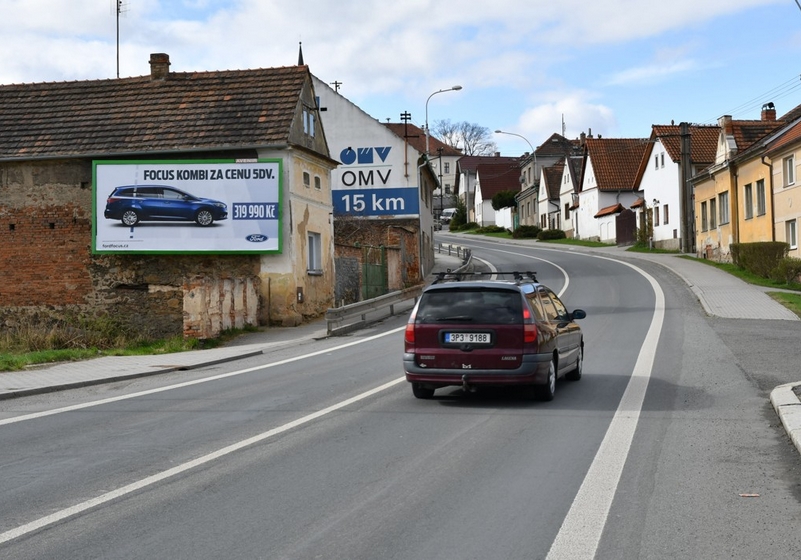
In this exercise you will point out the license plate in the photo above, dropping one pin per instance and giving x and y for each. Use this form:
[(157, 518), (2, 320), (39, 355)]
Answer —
[(467, 338)]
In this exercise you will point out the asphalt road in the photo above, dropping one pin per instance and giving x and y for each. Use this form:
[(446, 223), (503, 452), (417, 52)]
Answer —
[(667, 448)]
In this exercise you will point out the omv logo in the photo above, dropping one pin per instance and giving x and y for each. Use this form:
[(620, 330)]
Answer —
[(257, 238)]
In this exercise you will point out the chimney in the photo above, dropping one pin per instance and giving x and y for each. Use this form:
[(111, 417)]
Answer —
[(769, 112), (724, 123), (159, 66)]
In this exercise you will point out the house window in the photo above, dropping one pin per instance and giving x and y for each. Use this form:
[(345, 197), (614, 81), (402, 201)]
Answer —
[(656, 161), (788, 165), (665, 214), (315, 262), (447, 167), (761, 197), (662, 158), (308, 122), (713, 214), (317, 183), (749, 201), (791, 234), (723, 201), (704, 223), (567, 211), (656, 216), (447, 189), (306, 179)]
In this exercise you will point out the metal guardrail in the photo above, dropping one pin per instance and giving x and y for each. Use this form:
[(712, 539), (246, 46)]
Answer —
[(351, 317), (342, 320)]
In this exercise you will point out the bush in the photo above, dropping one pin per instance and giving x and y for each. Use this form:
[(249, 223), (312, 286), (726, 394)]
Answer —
[(548, 234), (491, 229), (504, 199), (464, 227), (526, 232), (761, 258), (788, 271)]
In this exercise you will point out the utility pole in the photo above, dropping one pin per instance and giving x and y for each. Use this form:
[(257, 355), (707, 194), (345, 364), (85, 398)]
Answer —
[(686, 192)]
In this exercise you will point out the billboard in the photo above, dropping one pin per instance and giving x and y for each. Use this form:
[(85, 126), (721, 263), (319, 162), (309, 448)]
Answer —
[(195, 206), (368, 183)]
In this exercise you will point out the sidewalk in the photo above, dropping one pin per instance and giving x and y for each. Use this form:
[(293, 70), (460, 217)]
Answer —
[(719, 293)]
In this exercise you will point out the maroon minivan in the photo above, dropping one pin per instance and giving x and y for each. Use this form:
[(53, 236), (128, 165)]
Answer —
[(492, 333)]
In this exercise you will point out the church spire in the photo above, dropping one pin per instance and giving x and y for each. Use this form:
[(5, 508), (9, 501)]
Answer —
[(300, 53)]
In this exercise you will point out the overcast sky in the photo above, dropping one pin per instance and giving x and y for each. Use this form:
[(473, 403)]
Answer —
[(613, 67)]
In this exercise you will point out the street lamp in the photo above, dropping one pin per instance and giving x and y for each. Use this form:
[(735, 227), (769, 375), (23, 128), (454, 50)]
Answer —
[(454, 88), (519, 136)]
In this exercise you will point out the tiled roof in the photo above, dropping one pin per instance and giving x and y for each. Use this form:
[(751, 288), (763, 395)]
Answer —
[(416, 137), (614, 209), (792, 114), (748, 132), (471, 163), (496, 177), (791, 135), (557, 145), (616, 161), (186, 111), (703, 142), (553, 178)]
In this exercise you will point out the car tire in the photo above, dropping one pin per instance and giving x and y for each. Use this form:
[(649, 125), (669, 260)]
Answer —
[(575, 375), (422, 392), (546, 392), (129, 218), (204, 218)]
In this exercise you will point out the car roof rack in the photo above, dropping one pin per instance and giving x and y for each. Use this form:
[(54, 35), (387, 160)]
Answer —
[(448, 276)]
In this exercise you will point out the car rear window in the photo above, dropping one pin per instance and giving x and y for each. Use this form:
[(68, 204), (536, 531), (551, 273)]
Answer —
[(468, 306)]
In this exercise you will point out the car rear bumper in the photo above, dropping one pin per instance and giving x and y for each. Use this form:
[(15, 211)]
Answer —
[(532, 371)]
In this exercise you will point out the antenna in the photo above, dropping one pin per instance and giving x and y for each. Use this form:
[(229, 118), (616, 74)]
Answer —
[(120, 7)]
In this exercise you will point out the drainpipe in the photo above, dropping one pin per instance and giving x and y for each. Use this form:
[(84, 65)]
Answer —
[(734, 219), (770, 198)]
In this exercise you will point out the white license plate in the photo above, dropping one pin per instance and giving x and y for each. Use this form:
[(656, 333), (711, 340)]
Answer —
[(467, 338)]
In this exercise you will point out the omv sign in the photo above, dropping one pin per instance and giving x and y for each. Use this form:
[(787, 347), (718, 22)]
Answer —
[(364, 156)]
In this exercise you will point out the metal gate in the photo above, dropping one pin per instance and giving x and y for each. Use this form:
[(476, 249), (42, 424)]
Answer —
[(374, 272), (626, 228)]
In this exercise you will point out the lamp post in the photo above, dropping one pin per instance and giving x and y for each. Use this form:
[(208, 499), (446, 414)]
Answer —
[(519, 136), (454, 88)]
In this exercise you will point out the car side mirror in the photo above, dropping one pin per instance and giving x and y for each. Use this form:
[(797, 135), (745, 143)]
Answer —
[(578, 314)]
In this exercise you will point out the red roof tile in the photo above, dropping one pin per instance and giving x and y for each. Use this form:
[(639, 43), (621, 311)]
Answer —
[(703, 142), (496, 177), (185, 111), (416, 137), (616, 161)]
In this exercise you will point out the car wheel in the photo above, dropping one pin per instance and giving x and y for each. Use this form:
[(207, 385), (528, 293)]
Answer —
[(204, 218), (130, 218), (545, 392), (575, 375), (422, 392)]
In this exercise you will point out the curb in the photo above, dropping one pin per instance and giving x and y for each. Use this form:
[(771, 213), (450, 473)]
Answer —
[(788, 407)]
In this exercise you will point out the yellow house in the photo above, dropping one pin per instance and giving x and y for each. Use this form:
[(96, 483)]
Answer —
[(732, 195), (784, 153)]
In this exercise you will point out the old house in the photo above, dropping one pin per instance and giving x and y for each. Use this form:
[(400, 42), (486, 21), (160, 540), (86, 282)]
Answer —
[(176, 202)]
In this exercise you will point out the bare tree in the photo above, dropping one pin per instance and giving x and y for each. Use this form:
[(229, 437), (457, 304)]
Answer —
[(471, 138)]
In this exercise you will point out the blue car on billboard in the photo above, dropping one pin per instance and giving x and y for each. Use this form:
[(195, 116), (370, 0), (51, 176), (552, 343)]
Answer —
[(139, 203)]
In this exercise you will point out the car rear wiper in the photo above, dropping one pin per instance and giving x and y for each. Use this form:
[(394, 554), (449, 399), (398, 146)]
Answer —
[(463, 318)]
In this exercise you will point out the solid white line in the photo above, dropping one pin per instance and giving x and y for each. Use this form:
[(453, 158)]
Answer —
[(151, 480), (190, 383), (581, 530)]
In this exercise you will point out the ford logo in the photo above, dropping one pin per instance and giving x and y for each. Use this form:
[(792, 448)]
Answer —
[(257, 238)]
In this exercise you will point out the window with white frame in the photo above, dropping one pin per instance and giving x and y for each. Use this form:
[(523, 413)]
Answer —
[(791, 234), (656, 215), (748, 201), (760, 197), (788, 166), (665, 219), (308, 122), (656, 161), (662, 158), (723, 202), (447, 167), (315, 260)]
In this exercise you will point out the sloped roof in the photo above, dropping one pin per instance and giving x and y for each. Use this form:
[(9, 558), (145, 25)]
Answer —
[(471, 163), (790, 136), (747, 132), (416, 137), (557, 145), (613, 209), (553, 178), (616, 161), (496, 177), (791, 115), (185, 111), (703, 142)]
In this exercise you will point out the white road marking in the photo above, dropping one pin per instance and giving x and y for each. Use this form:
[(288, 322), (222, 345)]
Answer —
[(190, 383), (151, 480)]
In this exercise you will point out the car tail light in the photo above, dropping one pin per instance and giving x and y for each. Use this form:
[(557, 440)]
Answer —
[(409, 336), (529, 328)]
